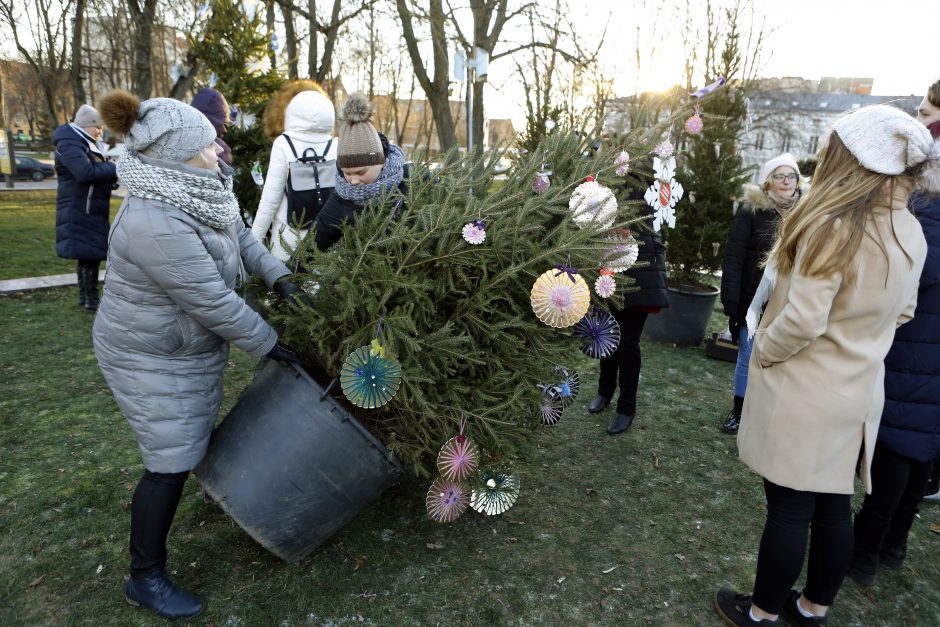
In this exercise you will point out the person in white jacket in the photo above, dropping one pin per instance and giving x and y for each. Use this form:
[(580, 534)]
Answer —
[(308, 120)]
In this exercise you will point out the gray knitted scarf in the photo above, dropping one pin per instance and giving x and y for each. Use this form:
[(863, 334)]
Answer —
[(209, 199), (389, 178)]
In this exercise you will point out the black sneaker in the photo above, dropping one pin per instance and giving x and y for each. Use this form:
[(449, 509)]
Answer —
[(792, 613), (734, 609), (731, 423)]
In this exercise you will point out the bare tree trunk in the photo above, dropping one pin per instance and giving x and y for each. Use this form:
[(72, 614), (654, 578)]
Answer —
[(436, 89), (78, 87), (290, 43), (270, 21), (143, 16), (184, 83), (313, 54)]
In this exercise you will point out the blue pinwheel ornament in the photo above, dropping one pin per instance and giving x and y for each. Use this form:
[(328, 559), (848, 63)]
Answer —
[(599, 333)]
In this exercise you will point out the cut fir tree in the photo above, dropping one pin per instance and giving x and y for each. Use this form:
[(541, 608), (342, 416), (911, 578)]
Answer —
[(455, 304)]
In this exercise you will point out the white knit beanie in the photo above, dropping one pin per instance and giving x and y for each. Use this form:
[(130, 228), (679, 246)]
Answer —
[(884, 139), (769, 167)]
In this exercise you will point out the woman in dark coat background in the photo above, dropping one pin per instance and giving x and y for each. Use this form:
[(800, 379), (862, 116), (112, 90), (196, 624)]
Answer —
[(909, 435), (750, 239), (622, 368), (212, 104), (83, 200)]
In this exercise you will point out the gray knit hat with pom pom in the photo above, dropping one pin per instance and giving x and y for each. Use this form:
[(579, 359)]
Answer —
[(359, 142), (160, 127)]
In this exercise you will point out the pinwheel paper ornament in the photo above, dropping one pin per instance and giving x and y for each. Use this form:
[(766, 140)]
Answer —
[(560, 297), (568, 386), (494, 493), (593, 204), (475, 232), (664, 149), (599, 333), (664, 193), (458, 458), (541, 182), (447, 500), (694, 125), (605, 285), (368, 379), (623, 253), (623, 163), (551, 407)]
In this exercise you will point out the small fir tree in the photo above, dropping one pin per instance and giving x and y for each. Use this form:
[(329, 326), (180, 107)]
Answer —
[(711, 171), (234, 47), (458, 317)]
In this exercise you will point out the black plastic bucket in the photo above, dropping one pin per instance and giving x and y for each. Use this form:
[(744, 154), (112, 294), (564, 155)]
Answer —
[(685, 321), (290, 465)]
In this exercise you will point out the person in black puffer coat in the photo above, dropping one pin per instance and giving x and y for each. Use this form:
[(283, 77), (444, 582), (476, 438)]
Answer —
[(83, 200), (622, 368), (368, 165), (751, 237), (908, 442)]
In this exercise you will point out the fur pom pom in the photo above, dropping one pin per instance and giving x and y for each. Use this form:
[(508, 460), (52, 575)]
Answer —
[(119, 110), (356, 109)]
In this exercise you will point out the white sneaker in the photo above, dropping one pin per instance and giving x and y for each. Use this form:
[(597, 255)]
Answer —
[(933, 497)]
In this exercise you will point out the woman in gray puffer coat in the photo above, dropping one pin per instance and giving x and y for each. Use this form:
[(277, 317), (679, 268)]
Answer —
[(169, 311)]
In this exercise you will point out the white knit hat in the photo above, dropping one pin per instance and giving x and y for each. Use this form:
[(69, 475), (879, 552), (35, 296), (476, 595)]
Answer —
[(769, 167), (884, 139)]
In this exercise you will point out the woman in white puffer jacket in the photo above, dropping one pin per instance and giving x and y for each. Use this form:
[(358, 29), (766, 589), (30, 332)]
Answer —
[(302, 111)]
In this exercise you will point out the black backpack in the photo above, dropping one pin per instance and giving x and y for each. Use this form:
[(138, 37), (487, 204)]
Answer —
[(310, 181)]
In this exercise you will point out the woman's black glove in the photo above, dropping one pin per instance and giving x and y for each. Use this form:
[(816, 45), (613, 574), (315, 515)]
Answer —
[(283, 355), (735, 325), (291, 293)]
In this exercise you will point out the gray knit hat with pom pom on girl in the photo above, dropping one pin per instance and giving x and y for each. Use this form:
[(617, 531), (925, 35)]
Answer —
[(359, 142)]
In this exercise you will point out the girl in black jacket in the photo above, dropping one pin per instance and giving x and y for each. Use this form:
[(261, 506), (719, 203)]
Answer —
[(750, 239)]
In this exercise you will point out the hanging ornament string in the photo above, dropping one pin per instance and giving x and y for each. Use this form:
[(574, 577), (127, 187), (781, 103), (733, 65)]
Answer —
[(567, 269)]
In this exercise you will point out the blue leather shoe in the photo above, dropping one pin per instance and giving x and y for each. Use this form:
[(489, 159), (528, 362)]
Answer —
[(162, 596)]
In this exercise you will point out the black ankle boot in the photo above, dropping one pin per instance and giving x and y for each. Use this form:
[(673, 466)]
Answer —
[(91, 289), (620, 423), (157, 593), (80, 273), (864, 569), (598, 404)]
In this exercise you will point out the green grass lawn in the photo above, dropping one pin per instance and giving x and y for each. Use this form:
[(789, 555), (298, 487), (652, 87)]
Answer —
[(636, 529), (630, 530), (27, 235)]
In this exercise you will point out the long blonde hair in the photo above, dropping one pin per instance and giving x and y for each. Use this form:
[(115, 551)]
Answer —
[(832, 216)]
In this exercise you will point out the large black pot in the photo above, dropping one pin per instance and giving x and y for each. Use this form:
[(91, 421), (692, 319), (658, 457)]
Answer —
[(685, 321), (290, 465)]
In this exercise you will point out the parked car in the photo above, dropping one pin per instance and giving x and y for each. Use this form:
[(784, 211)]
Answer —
[(28, 168)]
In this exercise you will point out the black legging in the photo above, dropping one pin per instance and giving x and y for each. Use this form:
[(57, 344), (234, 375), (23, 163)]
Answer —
[(897, 486), (626, 361), (152, 510), (790, 515)]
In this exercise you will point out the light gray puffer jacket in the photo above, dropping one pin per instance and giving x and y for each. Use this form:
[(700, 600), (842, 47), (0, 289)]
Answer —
[(167, 315)]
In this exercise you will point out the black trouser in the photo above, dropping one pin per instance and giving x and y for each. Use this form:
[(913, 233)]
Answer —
[(897, 486), (626, 361), (152, 510), (790, 516)]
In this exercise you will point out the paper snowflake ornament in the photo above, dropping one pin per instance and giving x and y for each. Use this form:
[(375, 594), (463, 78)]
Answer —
[(458, 458), (551, 406), (560, 297), (447, 500), (541, 182), (664, 193), (475, 232), (664, 149), (598, 332), (593, 204), (568, 386), (605, 285), (694, 125), (369, 380), (623, 163), (623, 252), (494, 493)]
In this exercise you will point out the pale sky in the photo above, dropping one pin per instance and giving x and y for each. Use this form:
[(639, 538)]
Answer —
[(896, 42)]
